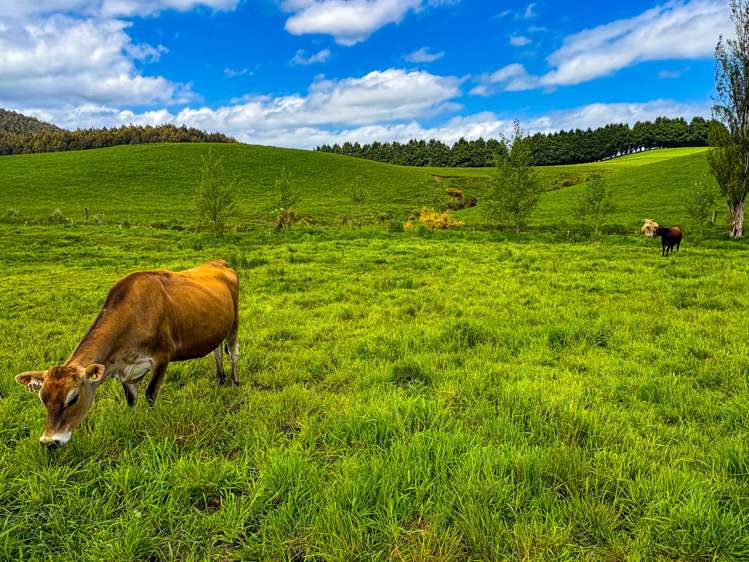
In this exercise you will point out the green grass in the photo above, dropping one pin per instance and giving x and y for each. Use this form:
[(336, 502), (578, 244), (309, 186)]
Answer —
[(457, 397), (464, 395)]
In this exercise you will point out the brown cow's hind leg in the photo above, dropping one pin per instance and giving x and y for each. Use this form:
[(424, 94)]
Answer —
[(233, 350), (220, 373), (152, 391)]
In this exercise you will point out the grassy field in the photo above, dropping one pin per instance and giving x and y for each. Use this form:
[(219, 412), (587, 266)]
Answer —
[(155, 184), (465, 395)]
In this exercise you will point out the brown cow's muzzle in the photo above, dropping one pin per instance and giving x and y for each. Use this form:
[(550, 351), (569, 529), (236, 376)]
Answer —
[(55, 440)]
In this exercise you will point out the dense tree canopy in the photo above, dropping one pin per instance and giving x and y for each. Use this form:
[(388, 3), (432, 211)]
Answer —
[(12, 122), (58, 140), (563, 147)]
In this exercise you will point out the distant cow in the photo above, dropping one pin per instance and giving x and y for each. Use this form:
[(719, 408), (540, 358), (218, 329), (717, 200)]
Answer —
[(148, 319), (649, 227), (670, 237)]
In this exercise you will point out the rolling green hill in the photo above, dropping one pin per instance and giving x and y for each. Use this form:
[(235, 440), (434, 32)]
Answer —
[(155, 183)]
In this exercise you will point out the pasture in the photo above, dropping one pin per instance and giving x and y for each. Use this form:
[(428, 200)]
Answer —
[(465, 395)]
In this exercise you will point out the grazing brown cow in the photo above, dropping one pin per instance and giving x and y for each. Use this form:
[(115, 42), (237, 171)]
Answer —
[(148, 319), (670, 237)]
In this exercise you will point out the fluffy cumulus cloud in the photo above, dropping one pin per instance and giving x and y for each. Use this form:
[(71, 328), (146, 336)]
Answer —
[(308, 121), (350, 21), (676, 30), (63, 60), (79, 53)]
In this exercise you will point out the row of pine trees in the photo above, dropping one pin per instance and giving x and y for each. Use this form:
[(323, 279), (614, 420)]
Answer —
[(61, 140), (564, 147)]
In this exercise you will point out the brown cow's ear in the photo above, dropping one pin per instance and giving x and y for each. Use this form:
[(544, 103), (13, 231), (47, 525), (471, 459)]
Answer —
[(32, 380), (95, 373)]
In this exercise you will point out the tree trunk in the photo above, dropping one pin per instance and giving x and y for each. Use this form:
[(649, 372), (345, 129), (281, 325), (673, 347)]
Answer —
[(736, 220)]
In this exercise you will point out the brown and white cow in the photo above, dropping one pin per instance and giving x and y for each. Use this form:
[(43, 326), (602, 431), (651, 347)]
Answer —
[(649, 226), (148, 319)]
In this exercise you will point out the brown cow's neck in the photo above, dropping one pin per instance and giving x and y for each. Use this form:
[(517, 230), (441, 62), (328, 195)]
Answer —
[(96, 345)]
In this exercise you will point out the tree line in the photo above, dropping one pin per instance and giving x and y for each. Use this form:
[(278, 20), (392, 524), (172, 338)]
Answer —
[(58, 140), (478, 153), (13, 122), (563, 147)]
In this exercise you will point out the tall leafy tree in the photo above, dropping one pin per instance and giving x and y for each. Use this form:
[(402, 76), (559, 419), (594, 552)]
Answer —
[(729, 158), (214, 197), (515, 188)]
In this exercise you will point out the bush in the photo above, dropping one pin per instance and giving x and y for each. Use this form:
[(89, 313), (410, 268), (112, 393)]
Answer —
[(595, 205), (56, 217), (436, 220), (11, 216), (287, 200), (700, 204), (397, 226)]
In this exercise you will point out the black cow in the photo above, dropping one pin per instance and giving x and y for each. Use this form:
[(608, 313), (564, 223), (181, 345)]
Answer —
[(670, 237)]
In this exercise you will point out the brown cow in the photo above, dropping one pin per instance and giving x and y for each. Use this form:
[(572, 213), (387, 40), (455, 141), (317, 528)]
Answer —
[(149, 319)]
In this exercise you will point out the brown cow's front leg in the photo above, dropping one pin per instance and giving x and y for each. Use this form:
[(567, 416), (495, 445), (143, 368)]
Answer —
[(152, 391), (131, 393), (218, 354)]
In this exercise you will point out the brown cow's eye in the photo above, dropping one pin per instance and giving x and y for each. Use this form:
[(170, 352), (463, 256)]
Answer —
[(72, 401)]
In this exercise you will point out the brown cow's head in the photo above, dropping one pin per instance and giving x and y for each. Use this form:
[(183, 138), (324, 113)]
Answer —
[(649, 227), (68, 393)]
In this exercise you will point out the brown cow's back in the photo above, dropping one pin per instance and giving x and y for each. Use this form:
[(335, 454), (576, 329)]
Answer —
[(184, 314)]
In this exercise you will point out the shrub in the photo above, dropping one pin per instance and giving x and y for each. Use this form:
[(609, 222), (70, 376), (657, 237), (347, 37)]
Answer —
[(56, 217), (436, 220), (287, 200), (595, 205), (700, 204), (11, 216), (358, 194), (397, 226)]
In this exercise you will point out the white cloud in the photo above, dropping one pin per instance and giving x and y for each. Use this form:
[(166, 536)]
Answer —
[(350, 21), (305, 122), (666, 74), (301, 57), (530, 11), (234, 72), (106, 8), (61, 60), (377, 99), (424, 55), (676, 30), (601, 114), (78, 52), (519, 41)]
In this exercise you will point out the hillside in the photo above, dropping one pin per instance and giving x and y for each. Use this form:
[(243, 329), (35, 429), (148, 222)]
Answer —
[(12, 122), (155, 183)]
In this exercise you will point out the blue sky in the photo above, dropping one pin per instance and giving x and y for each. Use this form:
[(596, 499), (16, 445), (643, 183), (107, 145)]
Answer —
[(304, 72)]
